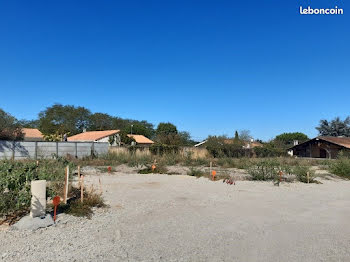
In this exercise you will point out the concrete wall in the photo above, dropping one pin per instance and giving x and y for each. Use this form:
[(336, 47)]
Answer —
[(23, 150)]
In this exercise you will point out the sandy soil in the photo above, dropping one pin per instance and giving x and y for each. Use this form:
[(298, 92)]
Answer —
[(182, 218)]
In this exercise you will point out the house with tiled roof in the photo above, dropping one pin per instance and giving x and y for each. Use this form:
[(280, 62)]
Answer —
[(32, 134), (321, 147), (97, 136), (141, 140)]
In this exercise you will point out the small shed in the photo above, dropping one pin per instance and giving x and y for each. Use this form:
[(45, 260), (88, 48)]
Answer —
[(321, 147)]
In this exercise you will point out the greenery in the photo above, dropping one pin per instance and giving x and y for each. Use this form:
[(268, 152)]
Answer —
[(195, 172), (221, 146), (10, 128), (286, 139), (335, 127), (340, 167), (15, 178)]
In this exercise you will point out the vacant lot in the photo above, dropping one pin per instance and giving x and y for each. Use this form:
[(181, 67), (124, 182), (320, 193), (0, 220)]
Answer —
[(181, 218)]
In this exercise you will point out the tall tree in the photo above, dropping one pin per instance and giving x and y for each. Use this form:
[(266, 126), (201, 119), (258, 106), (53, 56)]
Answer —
[(101, 121), (64, 119), (335, 127), (10, 128), (166, 129)]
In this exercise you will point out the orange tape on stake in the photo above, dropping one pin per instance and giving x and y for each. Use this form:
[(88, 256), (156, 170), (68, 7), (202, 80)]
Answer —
[(56, 201), (153, 167), (213, 173)]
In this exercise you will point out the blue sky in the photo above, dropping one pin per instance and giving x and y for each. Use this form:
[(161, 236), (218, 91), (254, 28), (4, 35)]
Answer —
[(210, 67)]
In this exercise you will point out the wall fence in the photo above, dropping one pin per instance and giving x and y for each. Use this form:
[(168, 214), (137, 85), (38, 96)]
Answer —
[(18, 150)]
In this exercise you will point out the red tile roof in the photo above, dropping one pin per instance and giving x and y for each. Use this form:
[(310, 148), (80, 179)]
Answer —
[(140, 139), (32, 133), (342, 141), (92, 135)]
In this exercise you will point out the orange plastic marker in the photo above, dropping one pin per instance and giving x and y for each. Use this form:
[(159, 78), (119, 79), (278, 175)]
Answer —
[(56, 201), (213, 173)]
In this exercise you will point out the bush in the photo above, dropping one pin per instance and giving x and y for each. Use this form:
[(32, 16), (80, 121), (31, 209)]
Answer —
[(300, 173), (160, 149), (195, 172), (15, 178), (341, 167), (264, 170)]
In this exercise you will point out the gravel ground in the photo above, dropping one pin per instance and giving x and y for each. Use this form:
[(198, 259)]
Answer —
[(181, 218)]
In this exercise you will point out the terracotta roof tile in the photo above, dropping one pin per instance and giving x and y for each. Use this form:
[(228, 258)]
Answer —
[(140, 139), (92, 135), (32, 133), (342, 141)]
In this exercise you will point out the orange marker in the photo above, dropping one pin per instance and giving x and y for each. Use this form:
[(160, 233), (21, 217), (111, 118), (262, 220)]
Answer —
[(56, 201), (153, 167), (213, 173)]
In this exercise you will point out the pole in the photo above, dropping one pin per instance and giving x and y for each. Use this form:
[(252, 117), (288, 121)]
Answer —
[(308, 177), (210, 167), (66, 185), (82, 189)]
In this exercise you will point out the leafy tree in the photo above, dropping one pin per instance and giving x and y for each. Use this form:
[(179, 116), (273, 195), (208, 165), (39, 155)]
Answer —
[(64, 119), (139, 129), (29, 123), (286, 139), (166, 129), (335, 127), (101, 121), (10, 129), (125, 139)]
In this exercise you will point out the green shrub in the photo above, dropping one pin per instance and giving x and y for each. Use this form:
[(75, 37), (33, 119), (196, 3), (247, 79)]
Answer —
[(264, 170), (340, 167), (301, 172), (195, 172), (15, 178)]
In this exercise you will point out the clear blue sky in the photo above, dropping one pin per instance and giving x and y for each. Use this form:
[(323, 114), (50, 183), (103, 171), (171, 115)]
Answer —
[(210, 67)]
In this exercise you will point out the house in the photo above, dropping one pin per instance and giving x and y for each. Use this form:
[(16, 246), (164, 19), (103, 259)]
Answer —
[(321, 147), (141, 140), (110, 136), (247, 144), (32, 134)]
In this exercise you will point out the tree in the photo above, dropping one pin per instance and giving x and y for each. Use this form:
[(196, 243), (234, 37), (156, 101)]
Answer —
[(64, 119), (101, 121), (166, 129), (10, 128), (335, 127), (236, 136), (288, 138), (29, 123), (282, 142), (139, 129), (245, 135)]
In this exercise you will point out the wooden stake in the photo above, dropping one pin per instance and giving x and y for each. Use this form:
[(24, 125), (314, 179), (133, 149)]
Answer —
[(308, 177), (82, 189), (210, 167), (99, 181), (65, 195)]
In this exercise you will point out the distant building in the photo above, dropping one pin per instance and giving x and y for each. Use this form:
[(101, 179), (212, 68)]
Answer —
[(321, 147), (32, 134), (141, 140), (97, 136), (247, 144)]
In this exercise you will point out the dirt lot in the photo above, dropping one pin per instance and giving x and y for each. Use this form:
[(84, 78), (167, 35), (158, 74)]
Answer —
[(182, 218)]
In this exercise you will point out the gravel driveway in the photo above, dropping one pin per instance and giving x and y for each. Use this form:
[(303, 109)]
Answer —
[(181, 218)]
